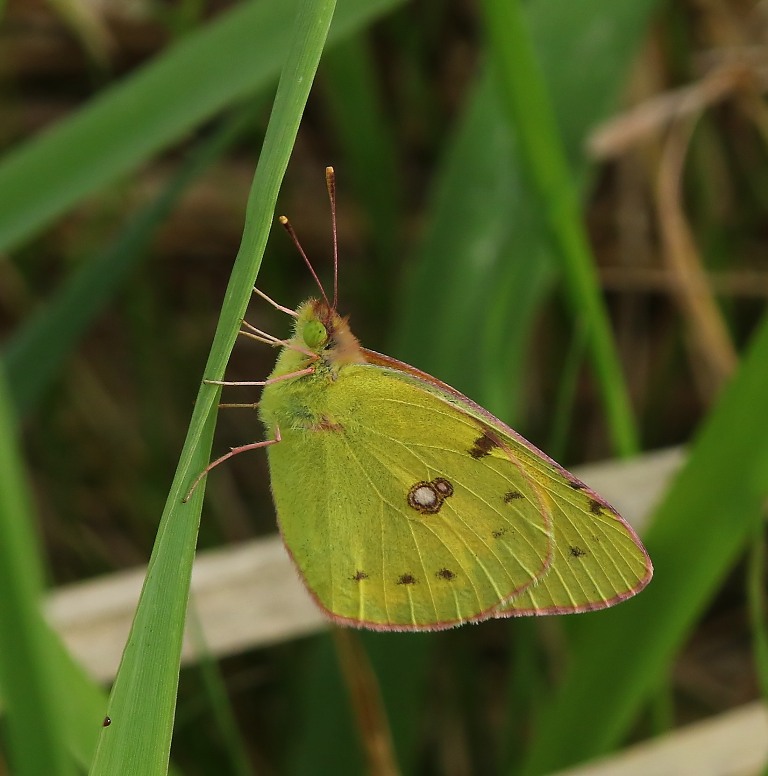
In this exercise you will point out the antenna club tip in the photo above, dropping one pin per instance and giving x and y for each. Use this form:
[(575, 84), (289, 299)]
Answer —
[(283, 220), (329, 170)]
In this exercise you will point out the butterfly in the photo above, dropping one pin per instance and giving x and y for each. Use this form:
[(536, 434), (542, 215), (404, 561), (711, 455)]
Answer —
[(406, 506)]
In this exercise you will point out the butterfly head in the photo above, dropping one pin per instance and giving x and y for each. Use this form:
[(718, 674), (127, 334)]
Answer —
[(323, 332)]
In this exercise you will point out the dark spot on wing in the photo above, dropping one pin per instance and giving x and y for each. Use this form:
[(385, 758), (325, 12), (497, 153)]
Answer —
[(406, 579), (512, 495), (577, 552), (427, 497), (107, 722), (595, 506), (446, 574), (443, 486), (498, 533), (484, 444), (359, 576), (576, 485), (424, 498), (326, 424)]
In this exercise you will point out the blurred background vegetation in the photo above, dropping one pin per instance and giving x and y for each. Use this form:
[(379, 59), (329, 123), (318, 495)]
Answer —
[(130, 133)]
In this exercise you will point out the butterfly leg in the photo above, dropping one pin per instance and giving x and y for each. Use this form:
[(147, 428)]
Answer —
[(274, 303), (233, 451), (260, 336)]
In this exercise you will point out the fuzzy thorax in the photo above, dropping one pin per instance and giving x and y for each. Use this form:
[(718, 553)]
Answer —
[(321, 342)]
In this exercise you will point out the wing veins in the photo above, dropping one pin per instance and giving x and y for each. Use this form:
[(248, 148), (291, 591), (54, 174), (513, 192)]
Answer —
[(437, 536), (533, 575)]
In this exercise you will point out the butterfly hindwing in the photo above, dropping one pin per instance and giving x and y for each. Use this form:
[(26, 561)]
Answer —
[(419, 518), (598, 559)]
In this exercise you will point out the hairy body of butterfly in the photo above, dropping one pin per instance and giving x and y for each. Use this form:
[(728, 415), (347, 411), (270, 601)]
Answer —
[(406, 506)]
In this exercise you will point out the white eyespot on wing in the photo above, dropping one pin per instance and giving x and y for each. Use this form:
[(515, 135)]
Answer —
[(423, 496)]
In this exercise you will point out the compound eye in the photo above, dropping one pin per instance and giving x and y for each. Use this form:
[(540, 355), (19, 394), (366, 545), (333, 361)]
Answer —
[(315, 334)]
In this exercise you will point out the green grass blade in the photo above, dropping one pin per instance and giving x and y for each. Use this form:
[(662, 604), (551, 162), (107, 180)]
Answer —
[(143, 697), (326, 735), (325, 739), (485, 244), (34, 730), (83, 700), (524, 95), (220, 704), (221, 63), (37, 351), (698, 532), (465, 252)]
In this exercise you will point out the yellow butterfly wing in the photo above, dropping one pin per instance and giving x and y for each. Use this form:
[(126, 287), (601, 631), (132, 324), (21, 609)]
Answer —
[(400, 510), (598, 560)]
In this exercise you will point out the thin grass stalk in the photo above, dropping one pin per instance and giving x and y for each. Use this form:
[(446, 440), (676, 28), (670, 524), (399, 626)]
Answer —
[(219, 702), (525, 95), (142, 703), (365, 697)]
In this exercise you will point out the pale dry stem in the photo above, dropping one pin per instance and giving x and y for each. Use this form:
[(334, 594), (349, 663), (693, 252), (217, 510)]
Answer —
[(714, 352), (649, 118), (366, 700)]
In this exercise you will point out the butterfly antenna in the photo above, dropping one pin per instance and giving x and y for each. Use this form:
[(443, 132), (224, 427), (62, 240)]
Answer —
[(330, 183), (292, 234)]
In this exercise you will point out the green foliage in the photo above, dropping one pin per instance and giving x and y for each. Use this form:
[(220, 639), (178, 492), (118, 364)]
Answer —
[(30, 689), (710, 510)]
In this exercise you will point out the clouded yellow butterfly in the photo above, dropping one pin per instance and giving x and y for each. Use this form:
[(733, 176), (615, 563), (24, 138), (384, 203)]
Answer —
[(406, 506)]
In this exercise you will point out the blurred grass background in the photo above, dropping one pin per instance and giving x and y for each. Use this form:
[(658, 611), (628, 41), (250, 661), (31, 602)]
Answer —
[(130, 139)]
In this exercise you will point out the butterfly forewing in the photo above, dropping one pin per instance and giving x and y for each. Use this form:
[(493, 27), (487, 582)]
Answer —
[(597, 560), (420, 520)]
